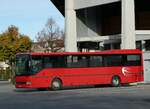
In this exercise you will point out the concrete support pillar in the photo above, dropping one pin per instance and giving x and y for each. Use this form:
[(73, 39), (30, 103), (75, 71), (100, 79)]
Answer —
[(128, 24), (143, 45), (70, 29)]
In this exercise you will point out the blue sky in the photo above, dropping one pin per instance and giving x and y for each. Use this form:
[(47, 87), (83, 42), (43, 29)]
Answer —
[(29, 16)]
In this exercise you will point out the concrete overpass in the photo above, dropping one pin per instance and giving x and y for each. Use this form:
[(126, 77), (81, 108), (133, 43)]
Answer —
[(97, 20)]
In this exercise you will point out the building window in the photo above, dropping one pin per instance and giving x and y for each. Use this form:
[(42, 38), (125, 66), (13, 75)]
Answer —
[(139, 45), (116, 46), (107, 47), (147, 45)]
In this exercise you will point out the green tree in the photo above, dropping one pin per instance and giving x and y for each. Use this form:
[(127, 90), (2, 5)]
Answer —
[(12, 42)]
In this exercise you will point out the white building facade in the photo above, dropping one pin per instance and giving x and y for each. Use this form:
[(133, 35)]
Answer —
[(107, 24)]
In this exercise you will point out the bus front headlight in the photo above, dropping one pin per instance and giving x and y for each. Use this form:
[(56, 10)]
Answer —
[(28, 83)]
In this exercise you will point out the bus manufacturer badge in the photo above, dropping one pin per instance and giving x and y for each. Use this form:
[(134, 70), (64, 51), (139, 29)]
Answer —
[(124, 71)]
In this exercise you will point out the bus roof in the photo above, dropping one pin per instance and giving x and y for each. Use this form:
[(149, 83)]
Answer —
[(125, 51)]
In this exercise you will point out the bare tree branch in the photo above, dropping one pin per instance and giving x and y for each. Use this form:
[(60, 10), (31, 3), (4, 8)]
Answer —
[(51, 37)]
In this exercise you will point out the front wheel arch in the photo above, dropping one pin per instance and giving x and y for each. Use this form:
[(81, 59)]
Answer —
[(56, 84)]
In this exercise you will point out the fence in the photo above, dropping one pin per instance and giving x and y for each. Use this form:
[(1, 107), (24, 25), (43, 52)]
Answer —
[(6, 74)]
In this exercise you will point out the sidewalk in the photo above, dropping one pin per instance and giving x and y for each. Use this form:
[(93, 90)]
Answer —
[(143, 83), (4, 82)]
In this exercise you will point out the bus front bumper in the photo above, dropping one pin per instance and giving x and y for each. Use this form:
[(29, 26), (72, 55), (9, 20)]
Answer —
[(23, 85)]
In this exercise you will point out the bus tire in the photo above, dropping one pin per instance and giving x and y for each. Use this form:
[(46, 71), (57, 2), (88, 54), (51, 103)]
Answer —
[(115, 82), (56, 84)]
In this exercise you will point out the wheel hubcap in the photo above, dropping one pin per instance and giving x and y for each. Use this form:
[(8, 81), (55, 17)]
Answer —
[(115, 81), (56, 84)]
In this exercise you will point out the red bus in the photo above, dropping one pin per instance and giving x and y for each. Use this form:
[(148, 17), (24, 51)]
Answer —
[(57, 70)]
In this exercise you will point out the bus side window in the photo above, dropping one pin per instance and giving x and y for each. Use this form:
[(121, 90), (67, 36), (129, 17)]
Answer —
[(82, 61), (77, 61), (47, 62), (133, 60), (72, 62), (113, 60), (60, 61), (37, 64), (69, 61), (95, 61)]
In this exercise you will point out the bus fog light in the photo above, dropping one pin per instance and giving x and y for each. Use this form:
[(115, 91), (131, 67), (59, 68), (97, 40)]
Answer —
[(28, 83)]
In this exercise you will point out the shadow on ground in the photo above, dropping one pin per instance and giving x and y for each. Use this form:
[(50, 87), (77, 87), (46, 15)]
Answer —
[(71, 88)]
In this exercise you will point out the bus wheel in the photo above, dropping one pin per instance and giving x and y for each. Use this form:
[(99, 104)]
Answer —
[(115, 82), (56, 84)]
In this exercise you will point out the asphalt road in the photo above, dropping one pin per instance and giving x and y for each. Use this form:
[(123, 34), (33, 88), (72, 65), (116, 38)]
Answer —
[(132, 97)]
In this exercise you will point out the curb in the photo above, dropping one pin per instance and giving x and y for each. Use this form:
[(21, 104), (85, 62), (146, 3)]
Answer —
[(4, 82), (143, 83)]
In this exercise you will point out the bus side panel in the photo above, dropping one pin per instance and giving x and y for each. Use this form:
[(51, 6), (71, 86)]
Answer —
[(86, 76), (133, 74), (79, 76), (40, 81), (83, 76)]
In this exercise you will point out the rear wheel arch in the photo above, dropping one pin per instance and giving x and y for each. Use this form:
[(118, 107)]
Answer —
[(115, 81)]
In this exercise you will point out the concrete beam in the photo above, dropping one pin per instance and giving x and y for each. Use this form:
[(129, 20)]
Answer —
[(79, 4), (93, 39), (142, 35)]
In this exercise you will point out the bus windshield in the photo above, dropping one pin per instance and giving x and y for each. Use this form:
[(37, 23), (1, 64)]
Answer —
[(28, 65), (22, 65)]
